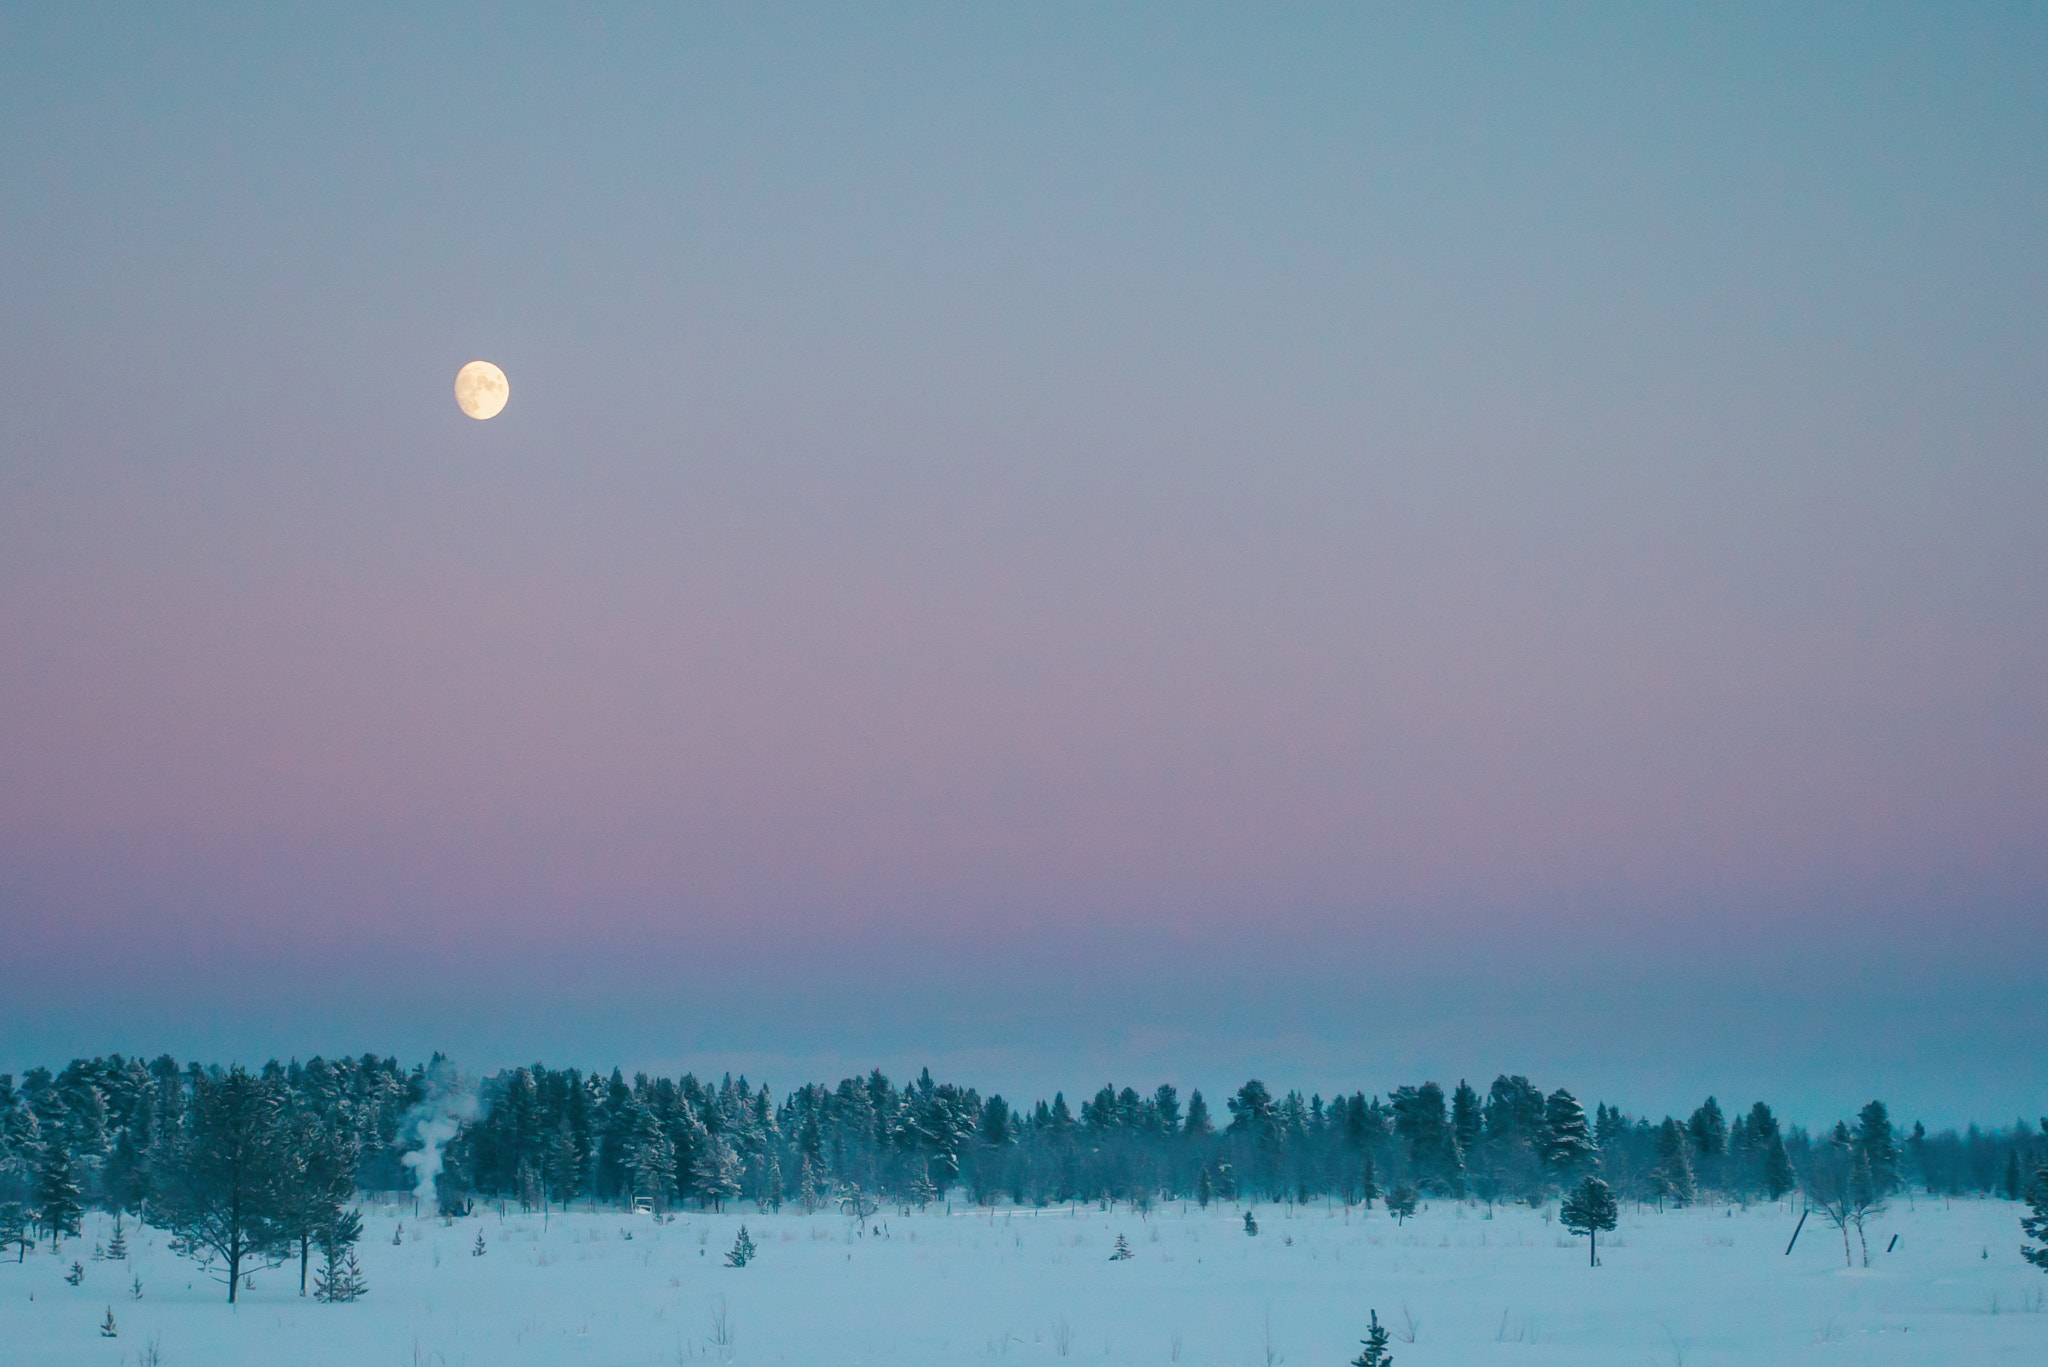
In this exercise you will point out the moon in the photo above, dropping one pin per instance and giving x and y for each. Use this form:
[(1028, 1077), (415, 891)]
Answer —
[(481, 390)]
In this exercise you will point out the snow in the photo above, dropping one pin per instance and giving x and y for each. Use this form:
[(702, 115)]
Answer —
[(1701, 1286)]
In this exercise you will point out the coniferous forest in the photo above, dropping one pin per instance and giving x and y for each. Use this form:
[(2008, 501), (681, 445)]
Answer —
[(248, 1166)]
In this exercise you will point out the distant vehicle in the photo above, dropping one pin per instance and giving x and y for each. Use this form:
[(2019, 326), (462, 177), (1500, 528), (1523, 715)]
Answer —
[(643, 1205)]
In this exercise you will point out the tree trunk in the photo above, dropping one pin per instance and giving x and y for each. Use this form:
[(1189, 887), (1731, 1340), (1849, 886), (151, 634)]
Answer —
[(305, 1257)]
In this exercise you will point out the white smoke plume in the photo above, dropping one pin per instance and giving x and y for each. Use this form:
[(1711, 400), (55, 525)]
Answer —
[(450, 1103)]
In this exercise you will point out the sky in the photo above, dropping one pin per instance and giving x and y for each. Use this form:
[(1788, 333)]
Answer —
[(1062, 543)]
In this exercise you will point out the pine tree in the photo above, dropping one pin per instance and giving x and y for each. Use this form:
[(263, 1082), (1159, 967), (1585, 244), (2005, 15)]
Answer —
[(118, 1250), (2035, 1224), (1374, 1346), (1123, 1250), (1368, 1181), (1203, 1189), (76, 1274), (14, 1229), (341, 1279), (1251, 1226), (2010, 1188), (742, 1250), (58, 1206), (316, 1174), (1467, 1118), (1401, 1203), (107, 1329), (1589, 1210), (1777, 1172), (478, 1249), (775, 1194), (225, 1184)]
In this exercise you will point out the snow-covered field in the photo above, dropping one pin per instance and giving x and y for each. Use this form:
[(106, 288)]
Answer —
[(1702, 1286)]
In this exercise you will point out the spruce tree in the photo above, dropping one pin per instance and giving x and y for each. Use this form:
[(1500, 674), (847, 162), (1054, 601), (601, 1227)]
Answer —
[(1878, 1146), (1777, 1174), (1122, 1250), (1589, 1210), (118, 1249), (107, 1328), (717, 1174), (1567, 1139), (1251, 1226), (57, 1202), (1374, 1351), (2035, 1224), (810, 1191), (1673, 1178), (1401, 1203)]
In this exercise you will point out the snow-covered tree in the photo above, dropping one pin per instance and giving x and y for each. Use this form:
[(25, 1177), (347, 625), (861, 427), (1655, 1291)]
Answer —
[(718, 1173), (1589, 1210), (1567, 1139), (221, 1189), (2034, 1224), (1673, 1179), (58, 1205)]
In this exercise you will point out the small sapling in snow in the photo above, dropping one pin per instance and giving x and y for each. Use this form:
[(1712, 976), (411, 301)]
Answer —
[(742, 1250), (1374, 1351), (1123, 1250)]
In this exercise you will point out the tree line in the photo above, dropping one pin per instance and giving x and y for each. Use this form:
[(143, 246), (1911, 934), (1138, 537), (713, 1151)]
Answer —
[(251, 1168)]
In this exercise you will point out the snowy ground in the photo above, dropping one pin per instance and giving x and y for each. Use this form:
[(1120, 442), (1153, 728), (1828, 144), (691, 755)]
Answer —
[(1702, 1286)]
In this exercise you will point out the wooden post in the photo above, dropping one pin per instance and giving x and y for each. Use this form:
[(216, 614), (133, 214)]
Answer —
[(1796, 1228)]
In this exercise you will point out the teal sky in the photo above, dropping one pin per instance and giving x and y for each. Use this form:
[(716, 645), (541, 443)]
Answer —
[(1155, 542)]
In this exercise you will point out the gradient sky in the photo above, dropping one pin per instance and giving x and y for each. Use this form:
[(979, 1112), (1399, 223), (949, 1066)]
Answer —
[(1065, 544)]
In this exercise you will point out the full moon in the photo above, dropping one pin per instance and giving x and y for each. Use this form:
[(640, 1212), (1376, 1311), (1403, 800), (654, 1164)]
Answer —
[(481, 390)]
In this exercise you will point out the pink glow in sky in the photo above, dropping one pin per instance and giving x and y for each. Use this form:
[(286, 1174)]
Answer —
[(1058, 511)]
